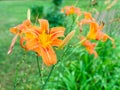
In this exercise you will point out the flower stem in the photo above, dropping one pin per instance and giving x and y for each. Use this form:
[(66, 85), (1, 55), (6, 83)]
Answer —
[(17, 70), (15, 81), (76, 3), (48, 77), (38, 65), (73, 21)]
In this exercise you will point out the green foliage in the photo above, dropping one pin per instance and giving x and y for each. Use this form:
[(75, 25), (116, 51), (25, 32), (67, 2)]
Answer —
[(76, 70), (53, 14), (36, 12), (57, 2), (87, 73), (55, 17)]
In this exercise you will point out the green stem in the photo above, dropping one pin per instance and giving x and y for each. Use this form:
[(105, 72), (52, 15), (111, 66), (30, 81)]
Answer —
[(17, 68), (76, 3), (48, 77), (71, 26), (15, 82), (73, 21), (38, 65)]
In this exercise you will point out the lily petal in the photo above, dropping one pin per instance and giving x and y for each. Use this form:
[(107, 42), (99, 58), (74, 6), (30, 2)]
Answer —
[(93, 30), (44, 25), (88, 16), (56, 42), (89, 47), (31, 44), (14, 30), (48, 56), (57, 32)]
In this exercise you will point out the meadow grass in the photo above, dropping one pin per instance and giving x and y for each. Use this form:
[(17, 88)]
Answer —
[(77, 70)]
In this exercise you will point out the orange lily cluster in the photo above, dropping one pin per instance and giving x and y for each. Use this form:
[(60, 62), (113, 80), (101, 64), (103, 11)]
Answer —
[(95, 33), (69, 10), (89, 46), (40, 39)]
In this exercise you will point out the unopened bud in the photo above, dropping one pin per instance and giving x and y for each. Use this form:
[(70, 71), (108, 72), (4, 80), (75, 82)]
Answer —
[(67, 39)]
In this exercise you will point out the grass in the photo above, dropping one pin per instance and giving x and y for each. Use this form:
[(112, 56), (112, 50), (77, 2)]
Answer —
[(76, 71)]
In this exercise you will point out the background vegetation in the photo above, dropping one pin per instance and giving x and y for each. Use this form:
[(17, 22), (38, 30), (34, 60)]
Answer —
[(77, 70)]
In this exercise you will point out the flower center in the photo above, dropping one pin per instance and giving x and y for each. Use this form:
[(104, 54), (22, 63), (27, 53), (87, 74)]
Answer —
[(44, 39)]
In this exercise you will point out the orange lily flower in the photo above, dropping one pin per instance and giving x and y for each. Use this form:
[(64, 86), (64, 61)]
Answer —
[(96, 32), (22, 27), (71, 10), (42, 41), (88, 16), (87, 19), (93, 30), (89, 46), (18, 30)]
